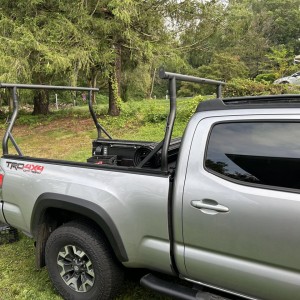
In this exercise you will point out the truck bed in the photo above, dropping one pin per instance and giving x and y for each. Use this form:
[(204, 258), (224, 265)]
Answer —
[(124, 196), (131, 153)]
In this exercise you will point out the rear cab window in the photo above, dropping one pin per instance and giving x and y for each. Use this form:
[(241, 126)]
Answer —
[(260, 153)]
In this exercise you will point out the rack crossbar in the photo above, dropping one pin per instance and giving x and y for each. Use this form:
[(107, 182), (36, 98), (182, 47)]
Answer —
[(169, 75), (46, 87)]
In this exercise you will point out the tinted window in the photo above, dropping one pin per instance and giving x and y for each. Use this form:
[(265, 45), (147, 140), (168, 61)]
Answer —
[(262, 153)]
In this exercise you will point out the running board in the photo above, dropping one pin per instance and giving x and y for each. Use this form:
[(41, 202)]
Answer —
[(176, 290)]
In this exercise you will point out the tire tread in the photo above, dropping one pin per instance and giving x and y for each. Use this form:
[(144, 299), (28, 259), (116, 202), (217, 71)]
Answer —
[(111, 270)]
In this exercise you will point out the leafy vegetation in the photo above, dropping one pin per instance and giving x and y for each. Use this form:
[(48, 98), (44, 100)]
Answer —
[(119, 45), (248, 87)]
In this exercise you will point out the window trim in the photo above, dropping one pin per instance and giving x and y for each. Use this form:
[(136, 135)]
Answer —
[(245, 183)]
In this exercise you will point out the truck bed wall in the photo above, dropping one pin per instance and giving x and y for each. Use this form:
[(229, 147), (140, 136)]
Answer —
[(136, 202)]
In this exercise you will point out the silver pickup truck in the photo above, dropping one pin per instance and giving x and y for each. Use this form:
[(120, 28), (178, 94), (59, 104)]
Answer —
[(219, 208)]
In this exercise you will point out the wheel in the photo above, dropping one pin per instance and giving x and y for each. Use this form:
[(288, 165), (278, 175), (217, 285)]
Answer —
[(284, 82), (80, 263)]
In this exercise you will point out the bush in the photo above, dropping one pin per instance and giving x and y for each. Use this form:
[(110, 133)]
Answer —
[(267, 77), (190, 89), (187, 108), (156, 111), (247, 87)]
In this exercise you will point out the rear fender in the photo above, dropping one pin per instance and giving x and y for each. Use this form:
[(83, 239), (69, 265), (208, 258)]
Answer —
[(81, 207)]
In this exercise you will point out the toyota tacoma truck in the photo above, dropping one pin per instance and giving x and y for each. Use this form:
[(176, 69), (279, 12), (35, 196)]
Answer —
[(217, 208)]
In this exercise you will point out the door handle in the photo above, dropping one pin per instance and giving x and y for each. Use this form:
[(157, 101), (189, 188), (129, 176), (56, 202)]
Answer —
[(209, 204)]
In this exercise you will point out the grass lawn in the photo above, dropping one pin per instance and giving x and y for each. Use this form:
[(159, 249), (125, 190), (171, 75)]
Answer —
[(19, 279), (68, 136)]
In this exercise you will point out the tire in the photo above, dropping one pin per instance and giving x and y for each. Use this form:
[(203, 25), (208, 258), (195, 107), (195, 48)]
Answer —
[(81, 264)]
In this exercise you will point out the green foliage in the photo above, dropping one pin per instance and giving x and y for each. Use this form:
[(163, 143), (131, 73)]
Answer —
[(156, 111), (280, 60), (65, 43), (201, 31), (247, 87), (101, 99), (246, 29), (187, 107), (133, 108), (136, 83), (244, 87), (285, 20), (44, 36), (224, 66), (189, 89), (267, 77)]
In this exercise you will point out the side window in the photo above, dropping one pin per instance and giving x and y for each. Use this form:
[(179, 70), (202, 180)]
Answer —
[(264, 153)]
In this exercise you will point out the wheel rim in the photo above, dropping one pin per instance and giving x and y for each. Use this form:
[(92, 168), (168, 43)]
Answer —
[(76, 269)]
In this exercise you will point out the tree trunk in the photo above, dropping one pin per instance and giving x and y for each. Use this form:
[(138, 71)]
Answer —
[(113, 109), (118, 65), (10, 102), (41, 103), (93, 82), (152, 72), (114, 83), (94, 85)]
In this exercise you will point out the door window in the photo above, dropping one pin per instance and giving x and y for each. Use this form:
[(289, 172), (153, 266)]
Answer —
[(263, 153)]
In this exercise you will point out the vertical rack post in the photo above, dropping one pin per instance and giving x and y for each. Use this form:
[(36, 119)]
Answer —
[(11, 123), (98, 126), (14, 86), (94, 115), (170, 124), (172, 77), (219, 91)]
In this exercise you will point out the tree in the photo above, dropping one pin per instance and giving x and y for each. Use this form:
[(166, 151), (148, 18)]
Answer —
[(202, 31), (285, 17), (136, 34), (47, 43), (280, 60), (223, 66), (126, 33), (243, 28), (123, 43)]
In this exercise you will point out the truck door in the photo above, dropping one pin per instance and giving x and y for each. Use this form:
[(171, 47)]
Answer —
[(241, 206)]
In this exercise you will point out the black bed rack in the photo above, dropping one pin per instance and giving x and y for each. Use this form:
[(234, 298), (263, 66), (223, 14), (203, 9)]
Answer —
[(161, 147), (14, 87), (172, 79)]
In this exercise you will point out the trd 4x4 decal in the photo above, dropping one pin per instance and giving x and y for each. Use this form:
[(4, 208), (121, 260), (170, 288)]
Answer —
[(36, 169)]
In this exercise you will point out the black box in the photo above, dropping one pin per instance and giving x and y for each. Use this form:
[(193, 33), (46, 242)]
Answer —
[(103, 159), (131, 153)]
